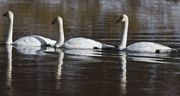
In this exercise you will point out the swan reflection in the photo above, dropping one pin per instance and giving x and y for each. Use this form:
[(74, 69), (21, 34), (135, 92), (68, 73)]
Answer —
[(43, 50), (9, 68), (84, 52), (124, 71), (87, 55), (150, 58), (60, 63), (59, 67), (28, 50)]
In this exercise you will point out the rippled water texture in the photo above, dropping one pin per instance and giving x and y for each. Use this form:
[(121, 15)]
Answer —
[(28, 71)]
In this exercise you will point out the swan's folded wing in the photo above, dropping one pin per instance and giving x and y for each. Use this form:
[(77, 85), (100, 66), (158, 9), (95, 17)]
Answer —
[(34, 41)]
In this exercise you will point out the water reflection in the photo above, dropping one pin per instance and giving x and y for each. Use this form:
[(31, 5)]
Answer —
[(36, 74), (152, 58), (123, 74), (9, 69), (148, 57), (59, 68), (43, 51), (28, 50), (87, 55)]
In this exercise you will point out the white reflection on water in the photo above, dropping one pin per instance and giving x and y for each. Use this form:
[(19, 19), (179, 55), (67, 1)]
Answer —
[(48, 51), (149, 58), (59, 68), (26, 50), (29, 50), (124, 71), (87, 55), (94, 53), (9, 68), (60, 62)]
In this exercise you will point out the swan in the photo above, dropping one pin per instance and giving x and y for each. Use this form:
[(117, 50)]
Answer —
[(78, 42), (147, 47), (33, 40)]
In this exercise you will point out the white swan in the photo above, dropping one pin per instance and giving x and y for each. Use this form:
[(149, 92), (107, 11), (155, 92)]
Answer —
[(77, 43), (33, 40), (148, 47)]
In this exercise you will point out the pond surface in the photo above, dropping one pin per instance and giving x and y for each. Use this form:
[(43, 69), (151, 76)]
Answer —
[(26, 71)]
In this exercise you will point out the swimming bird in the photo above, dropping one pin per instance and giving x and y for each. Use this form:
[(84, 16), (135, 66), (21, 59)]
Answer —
[(149, 47), (78, 42), (32, 40)]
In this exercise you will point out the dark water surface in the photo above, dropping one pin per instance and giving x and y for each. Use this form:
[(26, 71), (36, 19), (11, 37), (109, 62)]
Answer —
[(44, 72)]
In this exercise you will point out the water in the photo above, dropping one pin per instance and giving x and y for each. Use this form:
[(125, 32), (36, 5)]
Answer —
[(44, 72)]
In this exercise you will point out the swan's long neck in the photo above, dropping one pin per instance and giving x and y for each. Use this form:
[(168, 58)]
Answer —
[(61, 34), (125, 35), (9, 39)]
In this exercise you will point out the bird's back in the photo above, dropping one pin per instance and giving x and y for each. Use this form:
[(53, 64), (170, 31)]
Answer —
[(34, 40), (146, 47), (82, 43)]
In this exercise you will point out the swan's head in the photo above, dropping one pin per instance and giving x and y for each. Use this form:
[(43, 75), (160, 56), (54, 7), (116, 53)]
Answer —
[(123, 18), (58, 19), (9, 14)]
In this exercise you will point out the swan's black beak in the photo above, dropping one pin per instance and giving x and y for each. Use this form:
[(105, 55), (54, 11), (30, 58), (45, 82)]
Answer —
[(5, 14), (54, 21), (119, 20)]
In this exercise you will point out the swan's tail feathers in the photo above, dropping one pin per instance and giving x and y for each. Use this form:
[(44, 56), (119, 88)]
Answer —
[(106, 46)]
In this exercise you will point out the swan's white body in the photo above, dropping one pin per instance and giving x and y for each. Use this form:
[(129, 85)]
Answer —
[(77, 43), (84, 43), (148, 47), (33, 40)]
